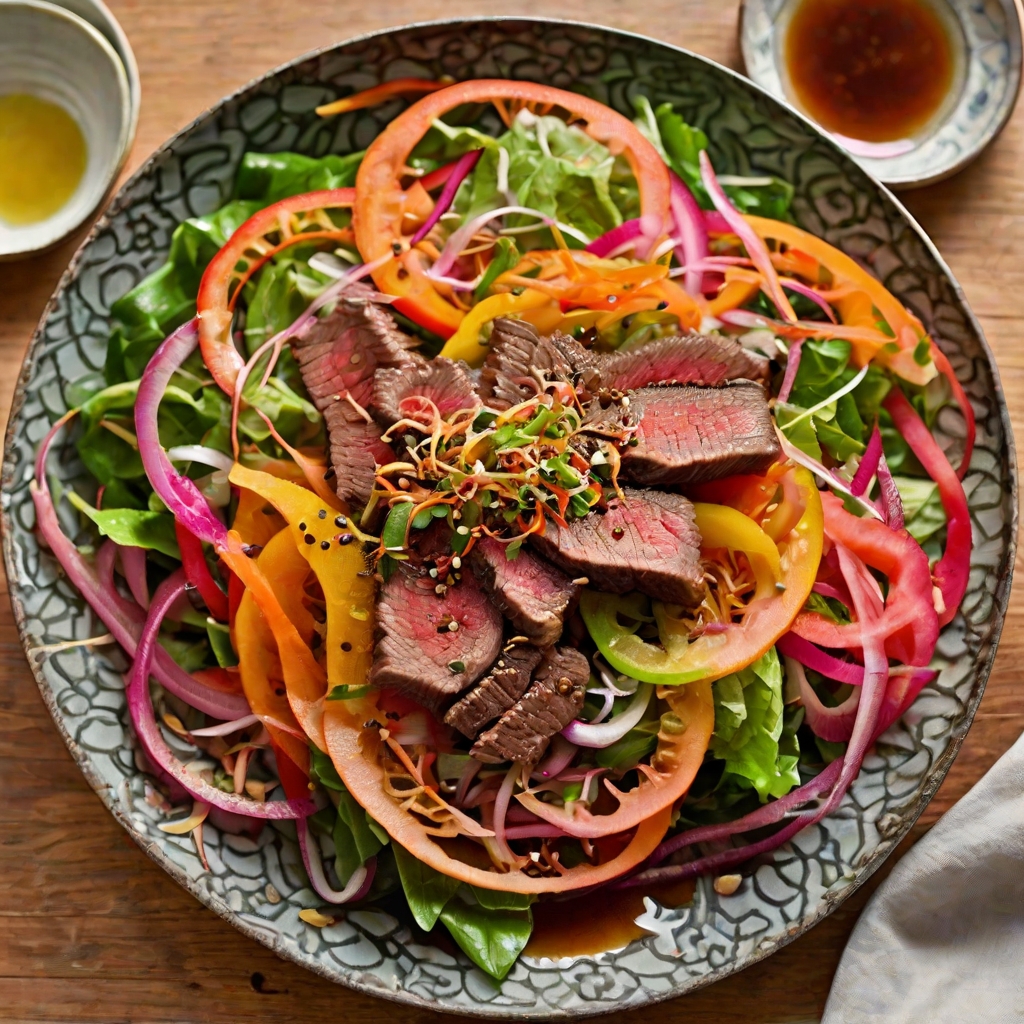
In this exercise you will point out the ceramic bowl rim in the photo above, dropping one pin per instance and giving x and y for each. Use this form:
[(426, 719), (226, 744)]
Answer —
[(909, 182), (115, 34), (128, 119), (350, 979)]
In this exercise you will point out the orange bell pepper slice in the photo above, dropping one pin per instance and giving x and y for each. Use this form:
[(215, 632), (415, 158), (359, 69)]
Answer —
[(347, 584), (850, 279)]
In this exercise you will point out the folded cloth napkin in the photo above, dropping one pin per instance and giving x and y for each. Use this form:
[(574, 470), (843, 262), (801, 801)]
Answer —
[(943, 938)]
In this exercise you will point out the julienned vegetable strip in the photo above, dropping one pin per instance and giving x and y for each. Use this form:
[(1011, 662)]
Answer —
[(952, 571), (463, 167)]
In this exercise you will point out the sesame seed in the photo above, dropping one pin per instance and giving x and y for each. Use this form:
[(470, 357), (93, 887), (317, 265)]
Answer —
[(302, 527), (433, 573), (453, 626), (345, 538), (325, 545), (341, 522), (462, 531), (456, 562), (309, 538), (322, 514)]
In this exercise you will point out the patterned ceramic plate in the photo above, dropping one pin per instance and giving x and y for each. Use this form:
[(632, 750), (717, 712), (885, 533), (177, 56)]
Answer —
[(986, 82), (259, 885)]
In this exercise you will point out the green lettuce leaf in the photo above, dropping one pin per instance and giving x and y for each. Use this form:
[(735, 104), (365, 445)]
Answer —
[(426, 890), (841, 427), (166, 298), (552, 167), (680, 144), (749, 729), (133, 527), (492, 939), (922, 507), (270, 177)]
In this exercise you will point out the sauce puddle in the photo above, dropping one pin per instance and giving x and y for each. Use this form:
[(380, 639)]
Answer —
[(563, 928)]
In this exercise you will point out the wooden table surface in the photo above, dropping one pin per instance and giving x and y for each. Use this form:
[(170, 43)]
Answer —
[(94, 931)]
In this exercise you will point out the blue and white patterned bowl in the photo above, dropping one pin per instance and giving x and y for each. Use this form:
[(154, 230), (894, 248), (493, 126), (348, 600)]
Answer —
[(259, 885), (986, 84)]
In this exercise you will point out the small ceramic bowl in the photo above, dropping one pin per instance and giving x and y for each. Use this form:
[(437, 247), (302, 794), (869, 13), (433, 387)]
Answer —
[(986, 37), (51, 53), (99, 16)]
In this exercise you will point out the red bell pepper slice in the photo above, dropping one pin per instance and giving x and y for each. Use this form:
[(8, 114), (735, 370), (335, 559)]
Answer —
[(952, 571), (198, 574)]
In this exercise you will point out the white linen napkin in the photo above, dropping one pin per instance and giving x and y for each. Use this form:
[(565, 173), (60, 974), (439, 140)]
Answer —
[(942, 939)]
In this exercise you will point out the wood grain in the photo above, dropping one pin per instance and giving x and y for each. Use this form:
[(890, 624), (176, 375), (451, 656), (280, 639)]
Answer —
[(92, 930)]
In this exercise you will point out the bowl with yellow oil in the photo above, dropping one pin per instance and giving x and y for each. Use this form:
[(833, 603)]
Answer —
[(65, 124)]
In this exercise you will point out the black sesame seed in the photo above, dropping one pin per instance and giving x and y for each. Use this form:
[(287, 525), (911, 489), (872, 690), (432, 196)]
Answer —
[(345, 538), (346, 646), (322, 514), (325, 545), (309, 538), (341, 522), (302, 527)]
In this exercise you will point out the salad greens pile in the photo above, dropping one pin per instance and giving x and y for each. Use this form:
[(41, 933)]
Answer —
[(760, 748)]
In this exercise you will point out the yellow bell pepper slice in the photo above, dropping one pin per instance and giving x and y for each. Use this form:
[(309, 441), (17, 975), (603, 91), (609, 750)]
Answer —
[(341, 569), (466, 343)]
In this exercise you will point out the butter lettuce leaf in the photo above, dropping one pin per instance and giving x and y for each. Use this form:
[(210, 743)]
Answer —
[(750, 735)]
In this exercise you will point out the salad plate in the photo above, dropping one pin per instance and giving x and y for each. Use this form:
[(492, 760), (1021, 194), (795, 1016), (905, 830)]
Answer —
[(255, 878)]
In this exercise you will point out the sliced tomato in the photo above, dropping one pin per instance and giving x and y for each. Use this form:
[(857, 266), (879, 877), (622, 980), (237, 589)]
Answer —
[(909, 620), (303, 218), (781, 593), (682, 743), (435, 836), (378, 218)]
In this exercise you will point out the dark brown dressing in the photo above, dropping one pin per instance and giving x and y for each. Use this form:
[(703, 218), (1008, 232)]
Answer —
[(590, 925), (874, 70)]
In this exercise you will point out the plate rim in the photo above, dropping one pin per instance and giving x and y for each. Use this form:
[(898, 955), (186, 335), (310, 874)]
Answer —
[(351, 978)]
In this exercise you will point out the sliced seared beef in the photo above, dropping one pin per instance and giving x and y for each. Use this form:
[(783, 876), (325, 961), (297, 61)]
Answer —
[(400, 393), (688, 435), (517, 352), (417, 654), (338, 356), (552, 702), (648, 542), (496, 692), (690, 359), (533, 594)]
